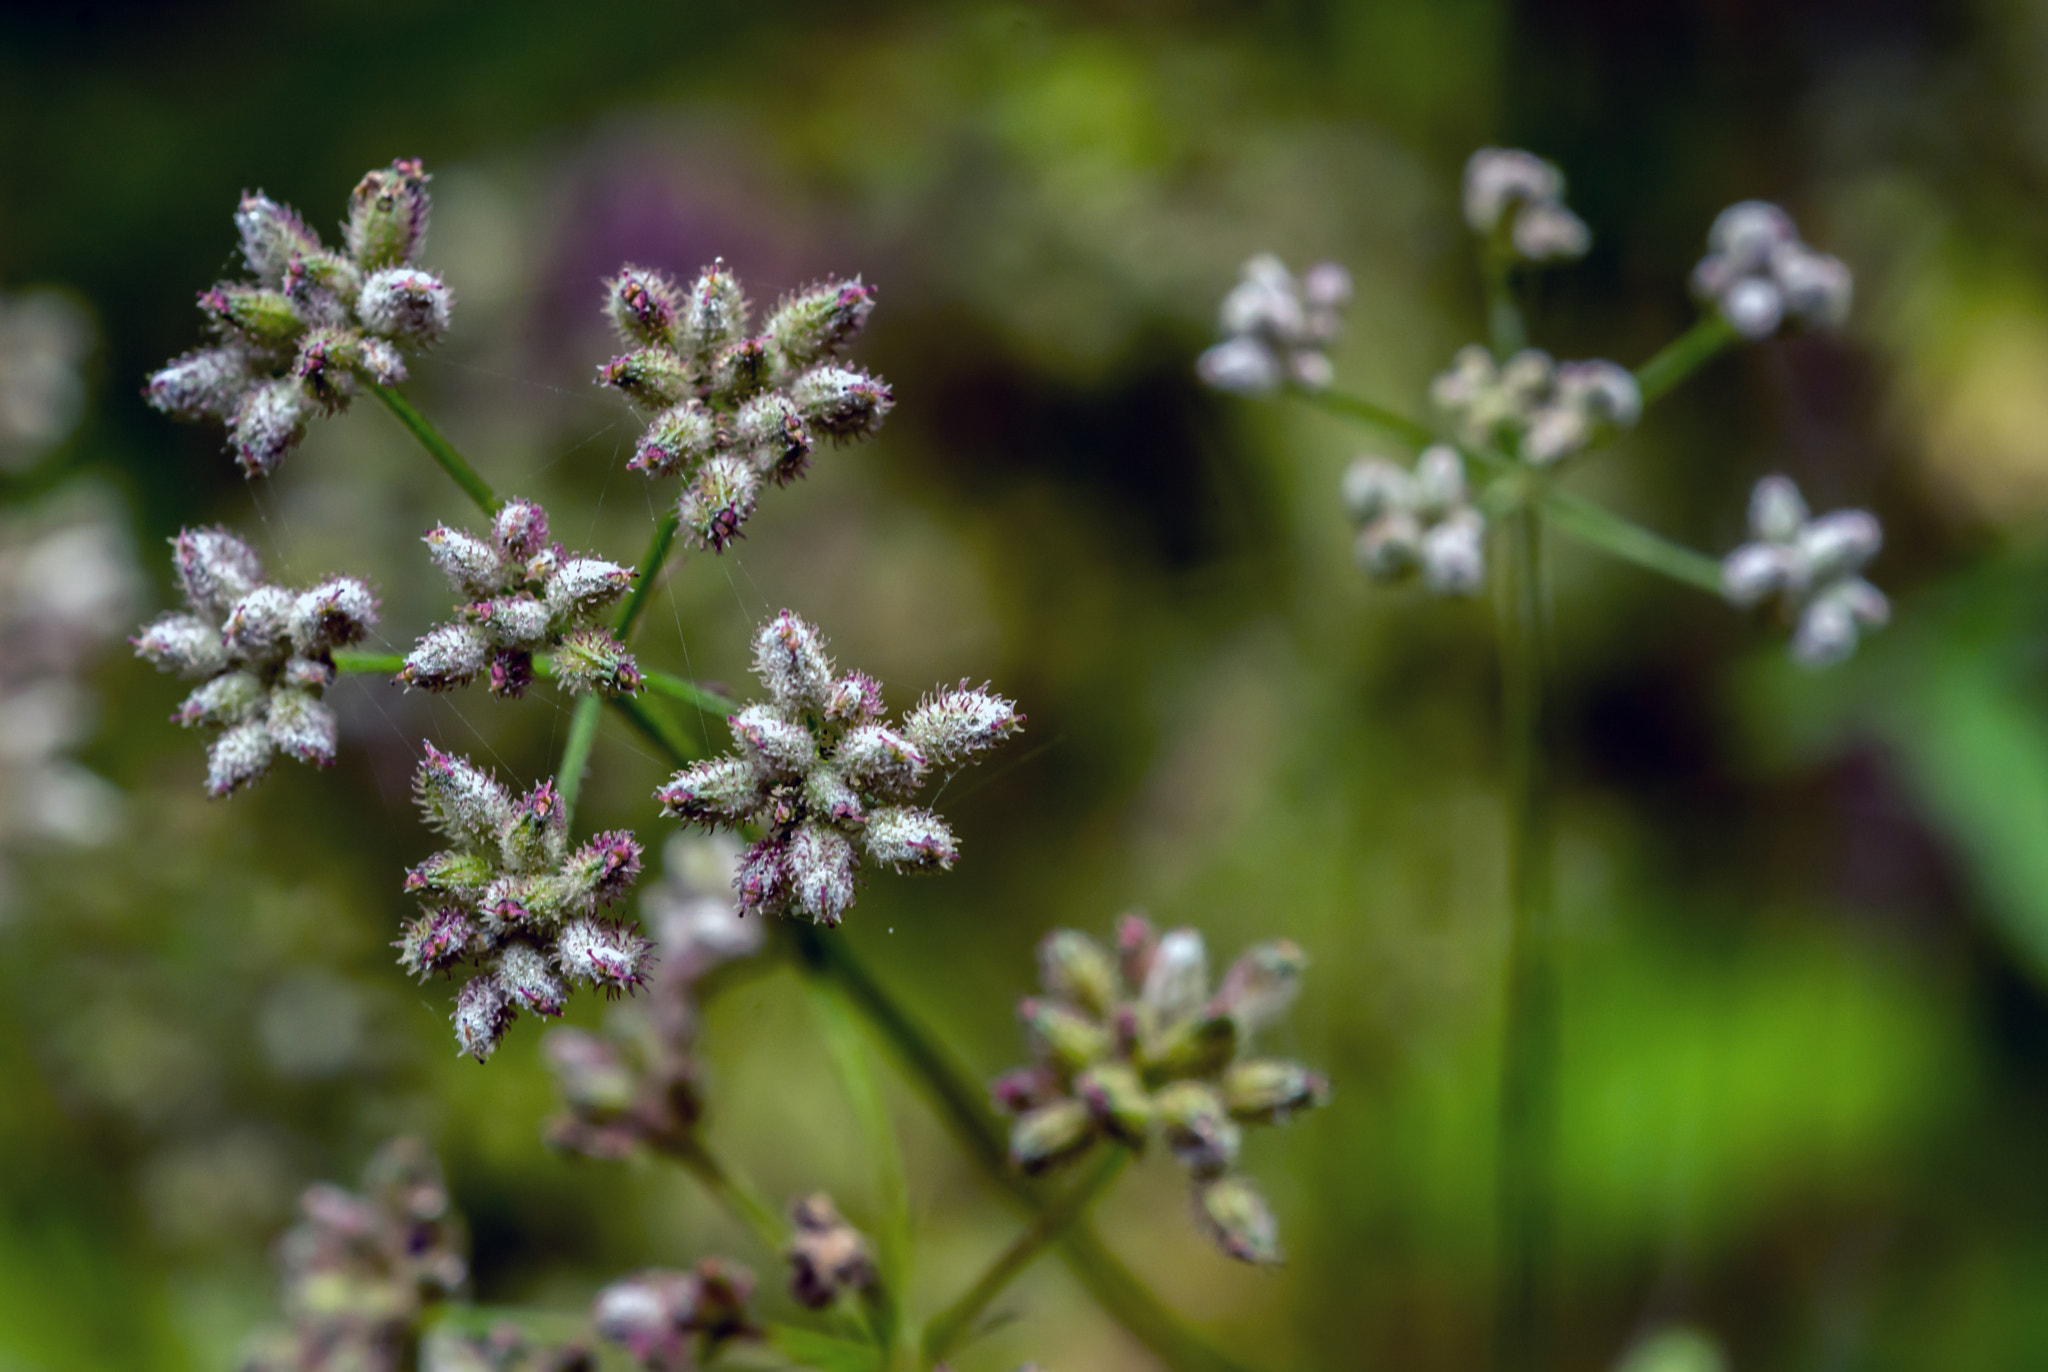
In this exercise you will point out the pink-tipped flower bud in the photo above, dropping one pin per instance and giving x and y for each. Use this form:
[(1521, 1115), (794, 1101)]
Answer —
[(952, 726), (1052, 1134), (301, 726), (856, 697), (238, 757), (1116, 1098), (406, 305), (483, 1012), (511, 672), (603, 869), (387, 215), (1267, 1091), (524, 973), (739, 369), (447, 656), (515, 621), (719, 500), (645, 307), (717, 312), (1136, 944), (842, 402), (461, 800), (819, 320), (778, 746), (435, 942), (1024, 1088), (762, 881), (1237, 1219), (583, 585), (909, 839), (230, 698), (203, 384), (791, 660), (588, 660), (771, 431), (681, 437), (722, 791), (874, 757), (182, 643), (266, 318), (1262, 984), (269, 422), (1199, 1130), (334, 614), (272, 235), (609, 956), (821, 866), (827, 1255), (1074, 967), (473, 567), (260, 622), (652, 378)]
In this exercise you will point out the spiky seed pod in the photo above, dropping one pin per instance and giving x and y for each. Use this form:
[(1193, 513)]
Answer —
[(909, 839), (879, 759), (681, 438), (772, 430), (268, 422), (819, 320), (580, 586), (238, 757), (517, 621), (720, 792), (272, 235), (792, 661), (473, 567), (203, 384), (645, 307), (448, 656), (435, 942), (182, 643), (609, 956), (718, 501), (953, 725), (462, 801), (822, 866), (215, 569), (406, 305), (650, 378), (778, 746), (483, 1012), (842, 402), (717, 312), (590, 660), (387, 215)]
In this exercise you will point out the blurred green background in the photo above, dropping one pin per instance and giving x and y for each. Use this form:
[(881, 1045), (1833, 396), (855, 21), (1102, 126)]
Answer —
[(1806, 1019)]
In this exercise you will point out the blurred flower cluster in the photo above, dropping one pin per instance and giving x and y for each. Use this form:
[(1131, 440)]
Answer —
[(827, 779), (524, 595), (1516, 200), (1543, 409), (668, 1321), (263, 655), (733, 408), (1417, 520), (314, 323), (1811, 565), (1276, 328), (511, 897), (827, 1256), (1757, 273), (44, 338), (1133, 1042)]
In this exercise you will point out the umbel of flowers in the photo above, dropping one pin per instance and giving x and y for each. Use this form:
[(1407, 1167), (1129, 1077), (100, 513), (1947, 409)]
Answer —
[(1515, 199), (522, 594), (1757, 273), (1811, 565), (263, 654), (1275, 328), (1421, 520), (734, 408), (668, 1321), (1133, 1043), (827, 779), (297, 339), (360, 1270), (1541, 409), (511, 898)]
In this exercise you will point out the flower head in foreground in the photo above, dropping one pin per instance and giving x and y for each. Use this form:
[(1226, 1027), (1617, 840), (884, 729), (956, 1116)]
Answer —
[(1133, 1043), (314, 322), (1421, 520), (1275, 328), (669, 1321), (1811, 565), (636, 1085), (361, 1269), (512, 898), (1516, 199), (1542, 409), (733, 408), (828, 779), (262, 654), (522, 595), (1758, 274)]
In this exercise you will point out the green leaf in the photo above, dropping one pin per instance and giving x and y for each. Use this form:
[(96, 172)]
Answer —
[(824, 1352)]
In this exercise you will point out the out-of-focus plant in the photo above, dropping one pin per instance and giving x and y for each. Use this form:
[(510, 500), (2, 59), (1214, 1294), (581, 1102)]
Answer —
[(820, 782), (1511, 421)]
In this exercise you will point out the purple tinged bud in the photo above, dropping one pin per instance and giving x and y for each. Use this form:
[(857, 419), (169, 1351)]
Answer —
[(260, 622), (739, 369), (951, 726), (1024, 1088), (1265, 1091), (520, 529), (819, 320), (771, 430), (302, 727), (779, 746), (406, 305), (267, 318), (607, 955), (907, 838), (582, 585), (1137, 942), (378, 360), (874, 757), (182, 643), (434, 942), (1237, 1219), (762, 881), (1051, 1134), (515, 621), (1262, 984), (334, 614), (1326, 286), (717, 313), (511, 672), (828, 796), (644, 307), (269, 422), (483, 1012), (605, 868), (1074, 967), (721, 792), (827, 1255), (461, 800), (681, 436), (654, 1315), (821, 866), (472, 566), (237, 757), (203, 384), (272, 235), (1198, 1128), (308, 673), (465, 873), (590, 660), (1116, 1098), (719, 500), (650, 378), (842, 402), (387, 215), (447, 656), (524, 973), (230, 698), (856, 697), (791, 660)]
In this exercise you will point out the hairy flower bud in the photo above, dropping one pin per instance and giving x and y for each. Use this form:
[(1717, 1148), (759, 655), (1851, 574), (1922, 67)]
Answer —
[(791, 660), (826, 1254), (651, 378), (582, 585), (1198, 1127), (446, 657), (656, 1316), (772, 430), (821, 866), (387, 215), (819, 320), (435, 942), (1076, 968), (203, 384), (605, 954), (842, 402), (1267, 1091), (473, 567), (461, 800), (645, 307), (856, 697), (905, 837), (260, 621), (717, 311), (517, 621), (302, 727), (1063, 1034), (590, 660), (333, 614), (718, 500), (876, 757), (406, 305), (266, 318), (1261, 984), (229, 698), (721, 791), (483, 1012), (524, 973), (1116, 1098), (182, 643), (1237, 1218), (1051, 1134), (950, 726), (269, 422), (238, 757), (272, 235), (680, 437)]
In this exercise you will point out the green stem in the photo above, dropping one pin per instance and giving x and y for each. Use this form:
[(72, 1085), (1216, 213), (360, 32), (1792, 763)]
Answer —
[(654, 725), (1390, 422), (953, 1324), (372, 664), (650, 568), (1505, 329), (1522, 1329), (690, 693), (1683, 356), (576, 753), (1598, 527), (733, 1194), (438, 448)]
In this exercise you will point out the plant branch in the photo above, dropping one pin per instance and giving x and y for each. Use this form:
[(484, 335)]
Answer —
[(690, 693), (1684, 355), (438, 448), (368, 664), (576, 753), (951, 1325), (1390, 422), (1598, 527), (650, 567)]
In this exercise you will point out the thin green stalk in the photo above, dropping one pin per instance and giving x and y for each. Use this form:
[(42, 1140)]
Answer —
[(1683, 356), (1598, 527), (1390, 422), (371, 664), (654, 725), (650, 568), (956, 1321), (576, 753), (690, 693), (438, 448), (850, 1054), (1505, 329), (1522, 1328), (733, 1193)]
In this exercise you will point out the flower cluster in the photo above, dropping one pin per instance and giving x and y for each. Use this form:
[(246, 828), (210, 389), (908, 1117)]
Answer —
[(504, 1348), (360, 1270), (44, 338), (1516, 199), (1170, 1057), (523, 595), (297, 340), (1812, 564), (1275, 328), (827, 779), (1757, 273), (733, 408), (827, 1255), (1544, 409), (636, 1086), (671, 1321), (1417, 520), (265, 654), (510, 896)]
